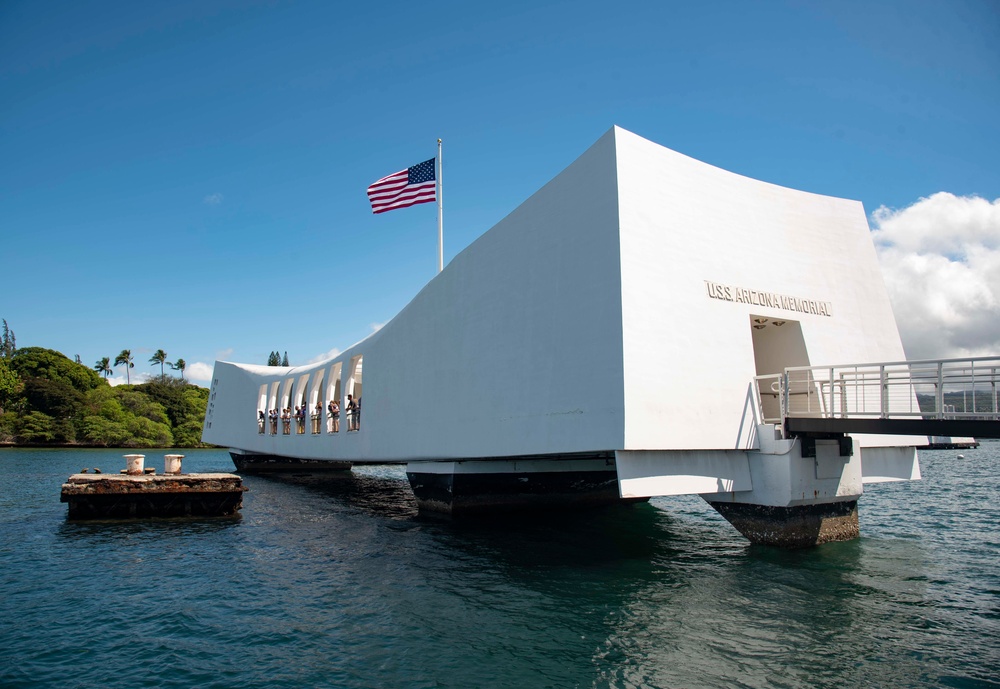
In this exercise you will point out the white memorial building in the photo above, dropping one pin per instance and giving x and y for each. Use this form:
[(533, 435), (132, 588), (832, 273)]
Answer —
[(603, 342)]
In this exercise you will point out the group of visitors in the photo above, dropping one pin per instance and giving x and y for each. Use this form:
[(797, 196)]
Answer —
[(353, 409)]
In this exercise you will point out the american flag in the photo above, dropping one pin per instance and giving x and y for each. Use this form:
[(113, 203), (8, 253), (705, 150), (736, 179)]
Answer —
[(404, 188)]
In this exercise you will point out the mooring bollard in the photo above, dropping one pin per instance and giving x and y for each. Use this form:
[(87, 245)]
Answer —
[(134, 464), (172, 464)]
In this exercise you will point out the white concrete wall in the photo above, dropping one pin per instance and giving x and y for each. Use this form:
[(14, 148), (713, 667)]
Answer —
[(688, 357), (582, 322), (516, 348)]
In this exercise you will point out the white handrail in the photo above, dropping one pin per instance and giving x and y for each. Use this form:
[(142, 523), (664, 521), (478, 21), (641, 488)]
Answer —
[(928, 388)]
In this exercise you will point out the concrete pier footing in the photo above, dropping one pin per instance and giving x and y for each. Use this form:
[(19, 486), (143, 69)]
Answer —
[(116, 496), (259, 463), (798, 526), (471, 487), (138, 492)]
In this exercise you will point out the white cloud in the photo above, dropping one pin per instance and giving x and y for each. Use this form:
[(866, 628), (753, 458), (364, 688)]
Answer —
[(332, 354), (224, 354), (134, 377), (941, 262), (377, 326), (213, 199), (199, 371)]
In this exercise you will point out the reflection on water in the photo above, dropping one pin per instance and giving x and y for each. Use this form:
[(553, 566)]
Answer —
[(112, 529), (378, 490)]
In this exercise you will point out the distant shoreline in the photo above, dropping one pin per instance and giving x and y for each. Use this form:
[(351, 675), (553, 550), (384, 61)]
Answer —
[(84, 446)]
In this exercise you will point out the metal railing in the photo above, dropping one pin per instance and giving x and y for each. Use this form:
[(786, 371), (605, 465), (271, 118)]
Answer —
[(929, 389)]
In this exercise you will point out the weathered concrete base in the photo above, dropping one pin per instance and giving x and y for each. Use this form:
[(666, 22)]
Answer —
[(253, 463), (469, 488), (799, 526), (110, 496)]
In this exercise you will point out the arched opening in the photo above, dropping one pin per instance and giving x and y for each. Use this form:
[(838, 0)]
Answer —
[(352, 404), (301, 411), (316, 402), (262, 409), (286, 407)]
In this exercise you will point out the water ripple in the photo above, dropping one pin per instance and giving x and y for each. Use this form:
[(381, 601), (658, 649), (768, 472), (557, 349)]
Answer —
[(337, 582)]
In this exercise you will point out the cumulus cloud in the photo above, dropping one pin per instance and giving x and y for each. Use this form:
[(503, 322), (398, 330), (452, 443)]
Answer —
[(941, 262), (213, 199), (332, 354), (199, 371), (134, 377), (377, 326)]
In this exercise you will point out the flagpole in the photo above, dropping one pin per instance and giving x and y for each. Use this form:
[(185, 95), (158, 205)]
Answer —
[(440, 186)]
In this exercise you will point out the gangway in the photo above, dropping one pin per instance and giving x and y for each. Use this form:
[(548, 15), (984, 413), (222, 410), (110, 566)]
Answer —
[(932, 397)]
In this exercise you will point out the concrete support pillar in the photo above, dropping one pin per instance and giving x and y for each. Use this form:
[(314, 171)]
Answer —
[(805, 492), (798, 526)]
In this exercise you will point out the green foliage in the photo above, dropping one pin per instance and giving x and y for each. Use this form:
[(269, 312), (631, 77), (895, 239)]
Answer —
[(284, 360), (188, 434), (184, 406), (8, 426), (54, 397), (8, 344), (103, 367), (125, 359), (47, 398), (159, 357), (98, 430), (37, 362), (147, 433), (274, 359), (36, 427), (141, 406), (169, 394), (10, 385), (179, 365)]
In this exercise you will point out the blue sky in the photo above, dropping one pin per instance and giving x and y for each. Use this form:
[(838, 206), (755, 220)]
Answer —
[(191, 175)]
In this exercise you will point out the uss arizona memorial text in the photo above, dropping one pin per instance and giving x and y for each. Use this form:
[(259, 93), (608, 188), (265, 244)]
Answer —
[(770, 299)]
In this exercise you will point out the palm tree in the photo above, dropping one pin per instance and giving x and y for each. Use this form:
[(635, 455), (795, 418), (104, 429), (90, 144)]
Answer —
[(125, 359), (179, 365), (159, 357), (104, 367)]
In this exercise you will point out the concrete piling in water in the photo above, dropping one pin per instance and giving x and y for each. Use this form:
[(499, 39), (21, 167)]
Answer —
[(139, 492)]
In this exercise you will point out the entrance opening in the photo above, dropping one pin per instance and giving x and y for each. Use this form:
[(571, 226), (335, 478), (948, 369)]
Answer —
[(778, 344)]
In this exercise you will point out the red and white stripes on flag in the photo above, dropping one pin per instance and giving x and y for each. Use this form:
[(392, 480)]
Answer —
[(405, 188)]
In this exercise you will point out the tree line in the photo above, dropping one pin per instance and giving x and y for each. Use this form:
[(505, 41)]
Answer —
[(48, 398), (103, 366), (274, 359)]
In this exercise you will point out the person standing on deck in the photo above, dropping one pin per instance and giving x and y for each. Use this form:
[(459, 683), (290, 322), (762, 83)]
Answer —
[(334, 409), (351, 409)]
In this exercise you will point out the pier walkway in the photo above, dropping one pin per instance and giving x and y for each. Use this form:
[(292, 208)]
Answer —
[(940, 397)]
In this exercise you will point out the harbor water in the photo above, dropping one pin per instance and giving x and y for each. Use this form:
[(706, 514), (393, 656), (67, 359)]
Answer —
[(338, 583)]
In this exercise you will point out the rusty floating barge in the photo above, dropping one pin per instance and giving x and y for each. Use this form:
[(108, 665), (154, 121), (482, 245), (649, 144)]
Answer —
[(140, 492)]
